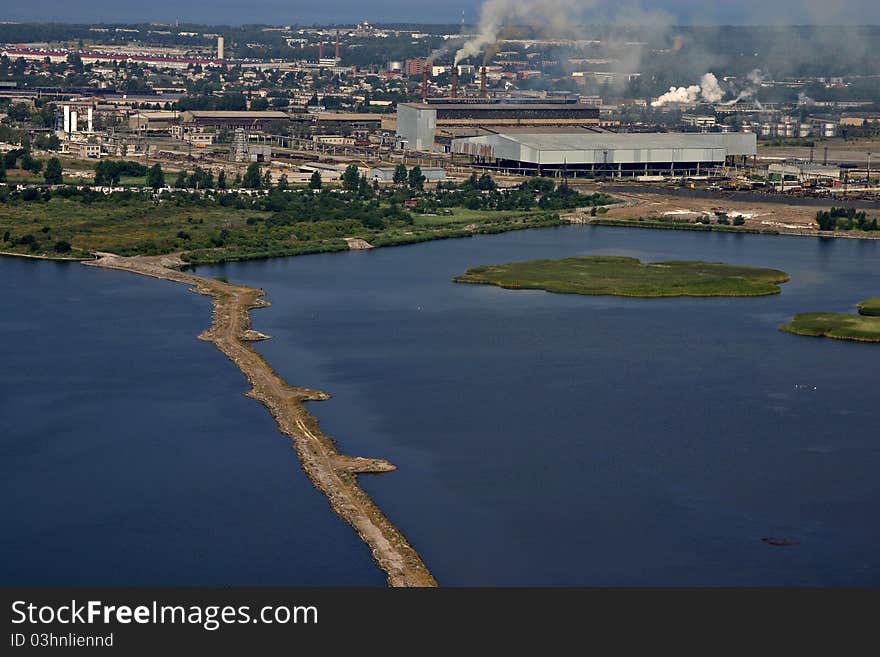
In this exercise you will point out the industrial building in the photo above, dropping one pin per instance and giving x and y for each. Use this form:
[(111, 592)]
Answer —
[(198, 122), (581, 152), (153, 121), (417, 123), (347, 124)]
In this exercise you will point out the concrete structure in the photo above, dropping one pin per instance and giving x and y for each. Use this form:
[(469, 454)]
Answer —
[(220, 48), (804, 172), (698, 121), (333, 140), (153, 121), (82, 149), (606, 154), (418, 122)]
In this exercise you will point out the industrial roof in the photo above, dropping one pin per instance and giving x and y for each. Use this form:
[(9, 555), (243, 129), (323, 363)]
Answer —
[(500, 106), (581, 140), (349, 116), (232, 114)]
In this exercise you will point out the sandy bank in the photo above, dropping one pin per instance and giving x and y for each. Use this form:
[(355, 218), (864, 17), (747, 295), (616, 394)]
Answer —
[(332, 473)]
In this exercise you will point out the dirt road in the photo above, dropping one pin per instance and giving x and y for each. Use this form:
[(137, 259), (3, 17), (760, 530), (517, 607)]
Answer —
[(332, 473)]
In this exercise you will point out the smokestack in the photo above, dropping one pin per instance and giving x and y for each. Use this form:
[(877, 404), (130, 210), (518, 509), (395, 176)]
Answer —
[(337, 44), (220, 48), (425, 81), (89, 118), (483, 82), (73, 122), (455, 81), (67, 118), (321, 51)]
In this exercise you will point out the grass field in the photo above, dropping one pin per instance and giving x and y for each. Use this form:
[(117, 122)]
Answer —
[(629, 277), (213, 233), (864, 327), (464, 216)]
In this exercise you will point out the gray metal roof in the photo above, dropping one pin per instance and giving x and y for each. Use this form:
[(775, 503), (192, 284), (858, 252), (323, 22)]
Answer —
[(580, 140)]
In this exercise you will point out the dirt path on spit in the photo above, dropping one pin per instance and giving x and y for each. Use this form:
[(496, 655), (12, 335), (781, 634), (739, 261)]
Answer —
[(332, 473)]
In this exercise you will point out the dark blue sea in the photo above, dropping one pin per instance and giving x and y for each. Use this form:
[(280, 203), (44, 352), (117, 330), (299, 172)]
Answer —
[(541, 439), (129, 455)]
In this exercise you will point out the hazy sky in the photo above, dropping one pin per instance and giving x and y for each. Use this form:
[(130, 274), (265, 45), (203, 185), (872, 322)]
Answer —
[(281, 12)]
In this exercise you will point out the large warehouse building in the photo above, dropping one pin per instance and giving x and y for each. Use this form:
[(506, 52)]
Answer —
[(607, 154), (417, 123)]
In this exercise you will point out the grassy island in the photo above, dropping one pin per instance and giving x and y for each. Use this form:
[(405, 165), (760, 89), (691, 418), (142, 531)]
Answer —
[(870, 307), (630, 277), (864, 327)]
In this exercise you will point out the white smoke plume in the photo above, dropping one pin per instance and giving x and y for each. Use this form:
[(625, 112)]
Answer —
[(678, 95), (558, 15), (753, 83), (708, 91), (711, 91)]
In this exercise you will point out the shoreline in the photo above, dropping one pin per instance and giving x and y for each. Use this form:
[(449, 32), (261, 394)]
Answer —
[(712, 228), (565, 219), (334, 474)]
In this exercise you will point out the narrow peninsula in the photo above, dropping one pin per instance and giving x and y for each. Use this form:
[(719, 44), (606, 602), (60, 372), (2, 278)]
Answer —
[(629, 277), (332, 473), (864, 327)]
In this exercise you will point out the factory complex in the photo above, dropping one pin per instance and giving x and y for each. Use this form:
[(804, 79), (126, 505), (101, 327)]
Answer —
[(606, 153)]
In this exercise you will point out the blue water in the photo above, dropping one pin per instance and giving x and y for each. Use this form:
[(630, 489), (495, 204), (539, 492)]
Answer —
[(551, 439), (129, 455)]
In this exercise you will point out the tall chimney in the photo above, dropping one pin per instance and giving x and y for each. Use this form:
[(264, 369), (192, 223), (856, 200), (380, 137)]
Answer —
[(321, 50), (483, 82), (425, 68), (337, 44), (220, 49), (90, 119), (67, 118), (455, 81)]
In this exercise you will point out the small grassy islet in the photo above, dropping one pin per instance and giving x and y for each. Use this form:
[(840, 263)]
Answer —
[(622, 276), (864, 327)]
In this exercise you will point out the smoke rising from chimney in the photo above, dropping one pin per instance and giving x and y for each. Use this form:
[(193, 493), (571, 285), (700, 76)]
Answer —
[(708, 91)]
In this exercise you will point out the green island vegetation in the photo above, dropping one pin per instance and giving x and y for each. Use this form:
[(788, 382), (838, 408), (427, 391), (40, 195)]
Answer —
[(629, 277), (211, 219), (864, 327), (846, 219), (869, 307), (676, 223)]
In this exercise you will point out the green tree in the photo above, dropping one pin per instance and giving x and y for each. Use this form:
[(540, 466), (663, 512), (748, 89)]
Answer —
[(485, 183), (400, 175), (53, 173), (156, 177), (267, 179), (180, 181), (314, 181), (252, 176), (62, 246), (221, 179), (416, 179), (351, 178), (2, 169), (282, 182)]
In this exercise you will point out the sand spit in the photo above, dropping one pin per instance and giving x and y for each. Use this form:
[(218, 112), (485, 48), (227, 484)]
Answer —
[(332, 473)]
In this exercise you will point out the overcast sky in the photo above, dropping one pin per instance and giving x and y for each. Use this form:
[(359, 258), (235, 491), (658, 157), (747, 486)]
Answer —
[(282, 12)]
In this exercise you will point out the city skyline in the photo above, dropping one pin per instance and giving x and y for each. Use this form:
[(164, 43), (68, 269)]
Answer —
[(684, 12)]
